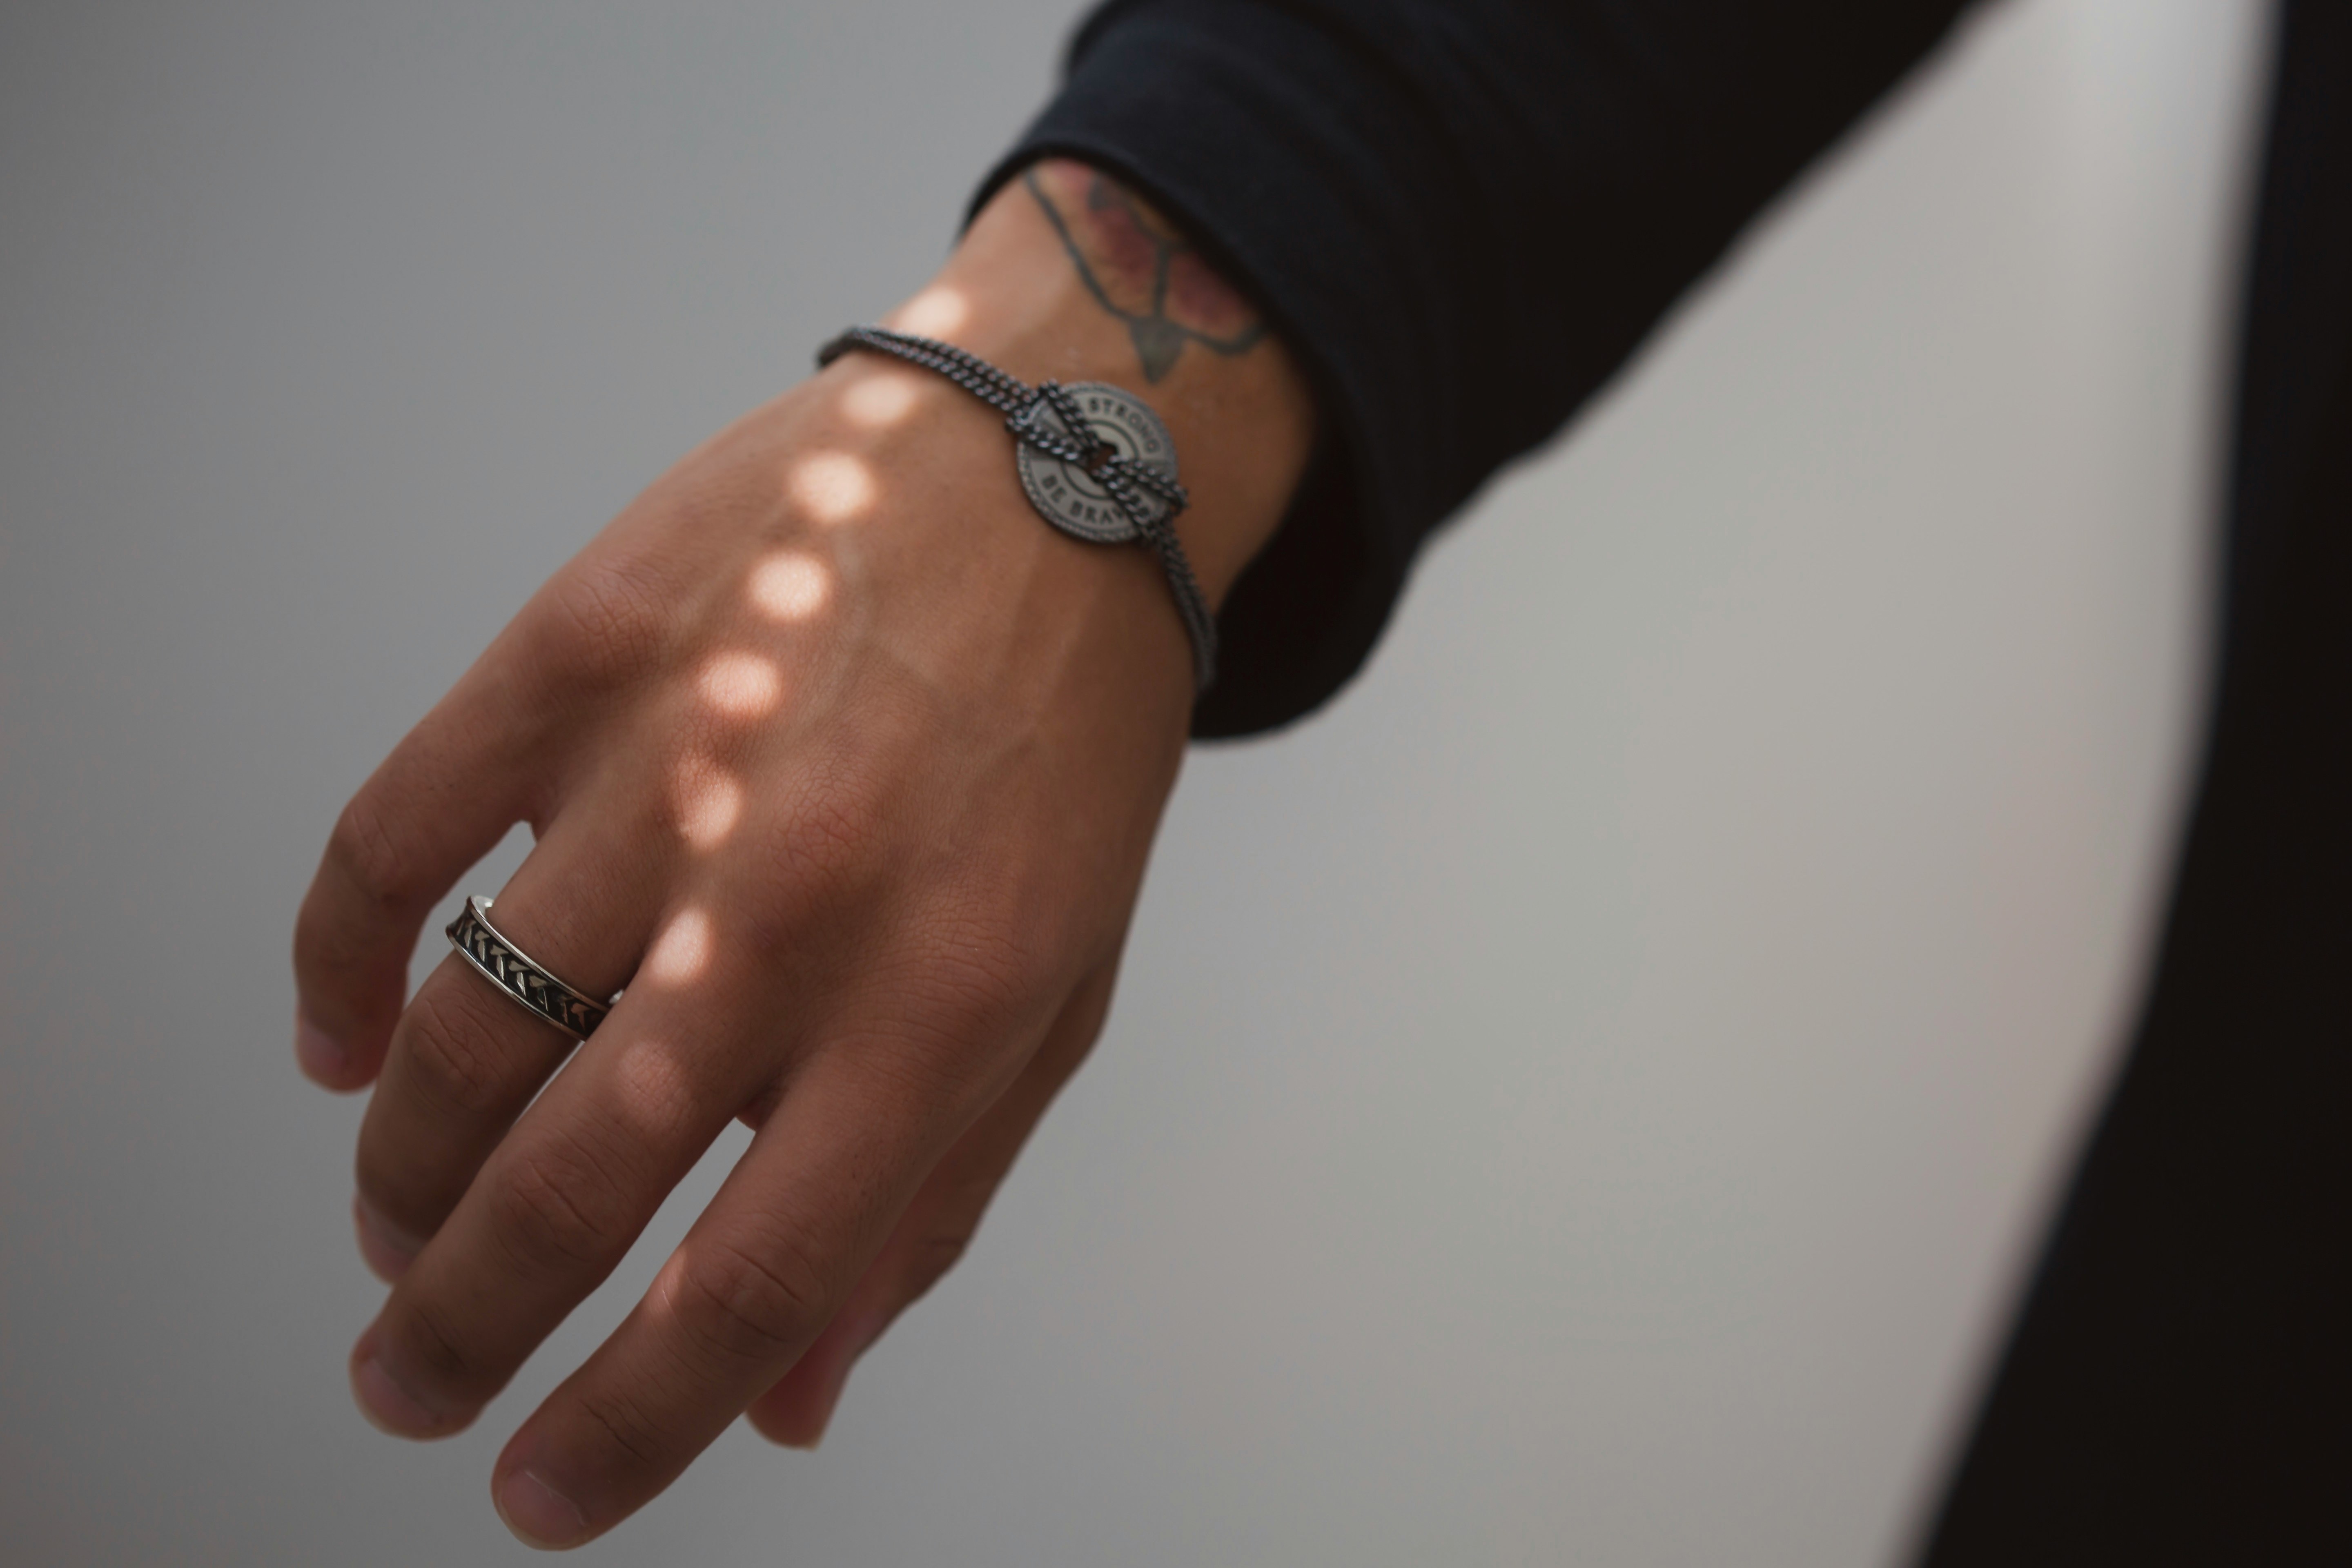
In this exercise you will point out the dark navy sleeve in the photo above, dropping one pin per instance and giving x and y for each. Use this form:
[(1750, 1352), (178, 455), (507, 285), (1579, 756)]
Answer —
[(1463, 215)]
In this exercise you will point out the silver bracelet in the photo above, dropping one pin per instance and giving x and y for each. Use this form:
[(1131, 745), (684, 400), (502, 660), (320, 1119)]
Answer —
[(1096, 462)]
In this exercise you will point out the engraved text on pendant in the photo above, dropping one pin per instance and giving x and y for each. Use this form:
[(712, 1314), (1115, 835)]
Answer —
[(1068, 497)]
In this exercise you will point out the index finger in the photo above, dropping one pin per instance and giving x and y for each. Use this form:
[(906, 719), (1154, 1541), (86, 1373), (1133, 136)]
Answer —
[(440, 802)]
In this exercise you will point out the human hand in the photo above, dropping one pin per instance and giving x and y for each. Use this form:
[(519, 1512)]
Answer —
[(848, 765)]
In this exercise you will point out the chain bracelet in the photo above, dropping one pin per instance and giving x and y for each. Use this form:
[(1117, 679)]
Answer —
[(1095, 461)]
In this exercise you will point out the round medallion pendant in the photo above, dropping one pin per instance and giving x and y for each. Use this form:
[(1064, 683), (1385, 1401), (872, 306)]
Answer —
[(1068, 497)]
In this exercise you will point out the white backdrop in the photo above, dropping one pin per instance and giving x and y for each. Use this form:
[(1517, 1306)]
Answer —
[(1586, 1098)]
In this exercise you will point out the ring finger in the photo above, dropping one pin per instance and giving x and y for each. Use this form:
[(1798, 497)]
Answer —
[(466, 1058)]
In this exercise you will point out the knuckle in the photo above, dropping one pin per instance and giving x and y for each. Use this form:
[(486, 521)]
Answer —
[(736, 1305), (626, 1425), (561, 1203), (829, 844), (611, 620), (372, 855), (937, 1080), (989, 954), (449, 1060), (980, 990), (433, 1345), (959, 1014)]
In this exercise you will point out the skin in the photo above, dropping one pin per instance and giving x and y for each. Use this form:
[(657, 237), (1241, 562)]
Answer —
[(1142, 270), (847, 766)]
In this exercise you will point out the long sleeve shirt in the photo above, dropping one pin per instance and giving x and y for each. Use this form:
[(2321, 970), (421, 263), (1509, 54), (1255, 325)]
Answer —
[(1463, 216)]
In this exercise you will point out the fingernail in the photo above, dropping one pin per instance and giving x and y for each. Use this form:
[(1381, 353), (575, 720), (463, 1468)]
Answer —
[(383, 1248), (386, 1403), (538, 1514), (322, 1056)]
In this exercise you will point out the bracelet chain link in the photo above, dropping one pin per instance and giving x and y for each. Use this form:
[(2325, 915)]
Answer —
[(1126, 480)]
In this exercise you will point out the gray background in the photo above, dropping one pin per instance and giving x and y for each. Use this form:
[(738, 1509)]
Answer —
[(1587, 1097)]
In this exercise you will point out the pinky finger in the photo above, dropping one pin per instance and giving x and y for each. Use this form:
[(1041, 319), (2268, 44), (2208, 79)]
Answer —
[(936, 1227)]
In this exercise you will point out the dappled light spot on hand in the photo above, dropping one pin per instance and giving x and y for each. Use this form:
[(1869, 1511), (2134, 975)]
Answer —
[(790, 585), (710, 801), (741, 685), (881, 400), (832, 487), (933, 313), (681, 953)]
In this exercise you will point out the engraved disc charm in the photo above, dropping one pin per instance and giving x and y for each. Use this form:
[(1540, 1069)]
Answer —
[(1071, 499)]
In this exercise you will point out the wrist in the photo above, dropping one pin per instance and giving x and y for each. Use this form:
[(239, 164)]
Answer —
[(911, 483), (1064, 275)]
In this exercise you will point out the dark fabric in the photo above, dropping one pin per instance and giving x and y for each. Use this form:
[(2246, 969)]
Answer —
[(1464, 216), (2179, 1388)]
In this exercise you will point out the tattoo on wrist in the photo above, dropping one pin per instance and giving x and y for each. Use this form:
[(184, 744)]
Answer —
[(1140, 270)]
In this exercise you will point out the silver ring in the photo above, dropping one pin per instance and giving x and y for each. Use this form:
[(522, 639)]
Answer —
[(506, 966)]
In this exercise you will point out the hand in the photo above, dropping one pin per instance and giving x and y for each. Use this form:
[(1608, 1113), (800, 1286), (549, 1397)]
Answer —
[(847, 766)]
